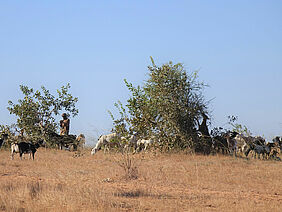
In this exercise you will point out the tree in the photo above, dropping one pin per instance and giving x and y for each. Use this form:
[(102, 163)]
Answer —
[(37, 110), (168, 106)]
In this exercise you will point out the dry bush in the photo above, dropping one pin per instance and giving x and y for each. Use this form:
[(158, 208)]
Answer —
[(129, 165)]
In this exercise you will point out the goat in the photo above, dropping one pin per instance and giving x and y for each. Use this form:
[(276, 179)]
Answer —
[(24, 148), (242, 141), (144, 144), (203, 128), (258, 150), (2, 140), (263, 150), (219, 143), (106, 141), (232, 143), (81, 140), (278, 141)]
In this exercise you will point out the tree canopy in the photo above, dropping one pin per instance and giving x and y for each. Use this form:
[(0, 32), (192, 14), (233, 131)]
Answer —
[(168, 106), (37, 110)]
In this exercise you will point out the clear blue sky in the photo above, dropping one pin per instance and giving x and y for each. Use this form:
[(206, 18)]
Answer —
[(94, 45)]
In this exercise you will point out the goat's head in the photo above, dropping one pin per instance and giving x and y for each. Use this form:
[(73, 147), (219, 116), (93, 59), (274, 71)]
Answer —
[(93, 151)]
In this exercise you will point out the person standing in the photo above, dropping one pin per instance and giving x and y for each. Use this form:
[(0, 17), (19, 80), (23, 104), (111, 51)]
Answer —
[(65, 125)]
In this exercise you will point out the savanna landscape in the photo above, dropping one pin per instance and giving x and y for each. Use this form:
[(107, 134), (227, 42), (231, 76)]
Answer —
[(161, 154), (77, 181), (140, 106)]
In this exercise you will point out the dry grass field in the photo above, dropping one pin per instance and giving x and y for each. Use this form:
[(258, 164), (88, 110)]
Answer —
[(67, 181)]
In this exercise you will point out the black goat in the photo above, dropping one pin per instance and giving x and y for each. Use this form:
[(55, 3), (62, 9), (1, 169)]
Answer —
[(3, 138), (24, 148)]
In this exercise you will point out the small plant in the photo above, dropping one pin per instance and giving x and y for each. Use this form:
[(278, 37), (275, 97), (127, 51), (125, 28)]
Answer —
[(128, 164)]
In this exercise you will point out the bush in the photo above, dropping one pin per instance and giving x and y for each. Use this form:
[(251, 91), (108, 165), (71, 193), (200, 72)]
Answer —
[(168, 107)]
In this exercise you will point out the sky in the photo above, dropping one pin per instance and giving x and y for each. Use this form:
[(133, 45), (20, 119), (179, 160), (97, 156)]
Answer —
[(95, 45)]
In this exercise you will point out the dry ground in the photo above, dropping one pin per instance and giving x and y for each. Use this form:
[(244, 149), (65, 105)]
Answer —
[(65, 181)]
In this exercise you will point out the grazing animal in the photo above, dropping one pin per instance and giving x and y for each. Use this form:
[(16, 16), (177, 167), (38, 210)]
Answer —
[(144, 144), (278, 141), (258, 150), (242, 141), (105, 141), (24, 148), (263, 150), (267, 148), (231, 142), (81, 140), (2, 140), (219, 144)]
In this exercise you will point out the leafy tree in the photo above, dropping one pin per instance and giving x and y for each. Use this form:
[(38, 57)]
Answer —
[(168, 106), (38, 109)]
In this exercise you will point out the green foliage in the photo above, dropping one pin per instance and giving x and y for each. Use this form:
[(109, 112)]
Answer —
[(242, 129), (168, 106), (38, 109), (11, 131)]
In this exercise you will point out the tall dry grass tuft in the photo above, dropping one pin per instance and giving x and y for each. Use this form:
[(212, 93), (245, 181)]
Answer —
[(35, 188)]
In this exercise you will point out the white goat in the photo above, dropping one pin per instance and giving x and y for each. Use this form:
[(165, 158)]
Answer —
[(106, 142), (144, 144)]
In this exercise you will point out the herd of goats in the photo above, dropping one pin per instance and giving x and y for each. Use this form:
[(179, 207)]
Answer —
[(232, 143), (23, 145), (226, 143), (223, 142)]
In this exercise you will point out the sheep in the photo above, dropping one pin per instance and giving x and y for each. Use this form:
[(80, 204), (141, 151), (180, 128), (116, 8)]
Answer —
[(2, 140), (105, 141), (24, 148)]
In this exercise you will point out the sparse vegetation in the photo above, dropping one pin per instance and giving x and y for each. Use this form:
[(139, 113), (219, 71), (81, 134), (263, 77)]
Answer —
[(129, 165), (57, 181)]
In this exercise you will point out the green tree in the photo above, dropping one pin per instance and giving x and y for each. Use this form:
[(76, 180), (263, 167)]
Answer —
[(38, 109), (168, 106)]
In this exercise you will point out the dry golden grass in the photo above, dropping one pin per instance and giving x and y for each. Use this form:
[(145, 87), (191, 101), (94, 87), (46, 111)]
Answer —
[(65, 181)]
